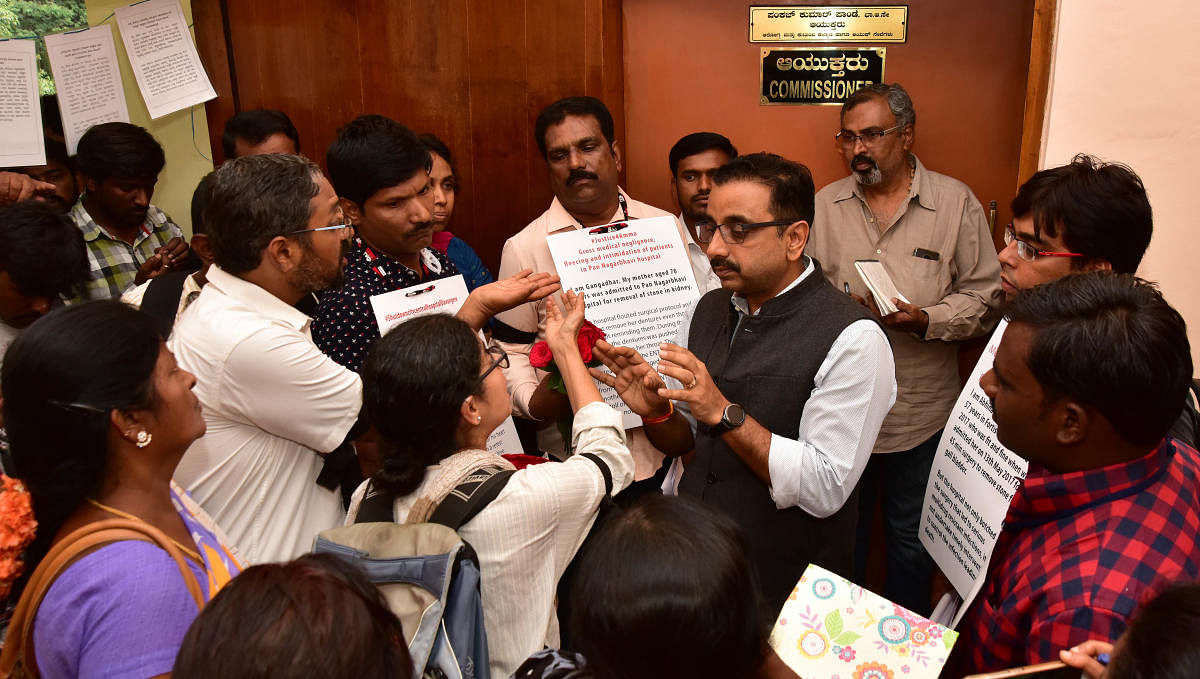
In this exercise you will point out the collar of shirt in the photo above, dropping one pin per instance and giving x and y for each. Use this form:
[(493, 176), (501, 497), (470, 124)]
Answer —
[(687, 235), (921, 189), (558, 215), (256, 298), (92, 230), (743, 307), (1046, 497), (380, 264)]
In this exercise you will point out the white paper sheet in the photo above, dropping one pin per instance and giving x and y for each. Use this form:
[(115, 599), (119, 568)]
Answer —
[(443, 296), (970, 486), (638, 285), (88, 80), (163, 56), (21, 141)]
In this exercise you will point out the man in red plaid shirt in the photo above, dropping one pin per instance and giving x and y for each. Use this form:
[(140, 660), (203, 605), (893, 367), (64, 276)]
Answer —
[(1085, 384)]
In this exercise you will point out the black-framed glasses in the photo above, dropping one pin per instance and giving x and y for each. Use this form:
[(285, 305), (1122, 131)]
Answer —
[(733, 233), (869, 138), (499, 359), (1027, 251)]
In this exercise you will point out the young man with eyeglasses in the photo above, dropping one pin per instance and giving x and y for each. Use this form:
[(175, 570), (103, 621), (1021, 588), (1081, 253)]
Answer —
[(930, 233), (777, 380)]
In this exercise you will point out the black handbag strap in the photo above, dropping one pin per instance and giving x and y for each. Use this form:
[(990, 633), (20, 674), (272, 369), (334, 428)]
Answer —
[(161, 300)]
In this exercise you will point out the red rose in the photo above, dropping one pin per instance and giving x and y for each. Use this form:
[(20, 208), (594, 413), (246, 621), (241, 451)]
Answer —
[(540, 355), (588, 336)]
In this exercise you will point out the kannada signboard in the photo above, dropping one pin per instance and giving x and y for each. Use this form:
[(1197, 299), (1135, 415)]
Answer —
[(817, 75), (828, 24)]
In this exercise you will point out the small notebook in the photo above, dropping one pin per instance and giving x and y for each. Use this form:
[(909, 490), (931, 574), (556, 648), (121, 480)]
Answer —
[(830, 628), (882, 288)]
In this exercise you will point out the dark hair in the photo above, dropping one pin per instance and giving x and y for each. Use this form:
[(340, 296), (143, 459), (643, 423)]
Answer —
[(665, 589), (51, 116), (254, 199), (317, 616), (200, 198), (435, 145), (793, 196), (255, 126), (119, 150), (42, 251), (1101, 209), (573, 106), (898, 101), (414, 382), (1163, 641), (57, 151), (60, 379), (372, 153), (699, 142), (1112, 342)]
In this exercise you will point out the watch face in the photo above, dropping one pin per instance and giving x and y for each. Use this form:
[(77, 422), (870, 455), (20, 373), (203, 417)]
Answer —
[(734, 415)]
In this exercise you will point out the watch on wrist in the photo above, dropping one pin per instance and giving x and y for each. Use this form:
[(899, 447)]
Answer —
[(731, 418)]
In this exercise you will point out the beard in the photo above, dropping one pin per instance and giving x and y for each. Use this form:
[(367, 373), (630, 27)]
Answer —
[(312, 275), (870, 176)]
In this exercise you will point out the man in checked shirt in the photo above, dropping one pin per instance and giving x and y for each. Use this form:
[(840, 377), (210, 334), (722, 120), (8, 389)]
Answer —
[(1085, 385)]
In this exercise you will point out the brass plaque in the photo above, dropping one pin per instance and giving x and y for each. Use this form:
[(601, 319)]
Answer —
[(817, 75), (841, 23)]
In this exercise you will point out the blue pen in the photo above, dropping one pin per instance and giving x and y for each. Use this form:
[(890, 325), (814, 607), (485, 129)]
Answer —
[(1103, 658)]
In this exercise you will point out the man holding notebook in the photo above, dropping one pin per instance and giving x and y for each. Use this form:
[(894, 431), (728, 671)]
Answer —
[(928, 232)]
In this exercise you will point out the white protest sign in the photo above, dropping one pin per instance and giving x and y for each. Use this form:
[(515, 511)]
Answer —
[(163, 56), (638, 284), (84, 66), (21, 142), (443, 296), (970, 487)]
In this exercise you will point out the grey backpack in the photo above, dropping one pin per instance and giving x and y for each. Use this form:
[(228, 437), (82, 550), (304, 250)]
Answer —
[(428, 575)]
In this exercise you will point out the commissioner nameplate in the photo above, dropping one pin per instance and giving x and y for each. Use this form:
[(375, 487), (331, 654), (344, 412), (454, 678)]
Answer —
[(854, 23), (817, 75)]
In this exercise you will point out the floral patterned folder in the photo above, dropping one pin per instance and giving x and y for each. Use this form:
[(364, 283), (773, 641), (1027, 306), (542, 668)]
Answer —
[(830, 628)]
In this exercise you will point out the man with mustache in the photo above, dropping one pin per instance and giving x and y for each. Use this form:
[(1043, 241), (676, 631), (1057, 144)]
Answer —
[(777, 380), (930, 233), (380, 170), (693, 159), (576, 137), (129, 240)]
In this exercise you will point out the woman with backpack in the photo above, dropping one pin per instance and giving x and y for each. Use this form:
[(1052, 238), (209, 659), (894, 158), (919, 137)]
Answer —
[(98, 416), (435, 392)]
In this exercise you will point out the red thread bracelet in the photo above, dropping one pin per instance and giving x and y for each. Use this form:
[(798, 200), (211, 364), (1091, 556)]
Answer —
[(661, 418)]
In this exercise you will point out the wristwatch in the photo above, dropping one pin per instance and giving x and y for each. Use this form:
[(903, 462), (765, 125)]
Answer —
[(732, 418)]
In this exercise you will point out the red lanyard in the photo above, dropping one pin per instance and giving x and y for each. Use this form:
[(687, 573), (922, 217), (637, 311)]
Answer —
[(373, 260)]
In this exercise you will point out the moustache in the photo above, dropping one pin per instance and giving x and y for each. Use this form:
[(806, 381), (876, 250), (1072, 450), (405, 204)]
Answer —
[(725, 263), (863, 158), (577, 175)]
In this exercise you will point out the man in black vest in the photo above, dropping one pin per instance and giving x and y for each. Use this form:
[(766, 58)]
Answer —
[(778, 381)]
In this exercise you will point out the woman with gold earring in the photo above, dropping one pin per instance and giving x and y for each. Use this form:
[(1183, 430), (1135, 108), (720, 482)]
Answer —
[(99, 415)]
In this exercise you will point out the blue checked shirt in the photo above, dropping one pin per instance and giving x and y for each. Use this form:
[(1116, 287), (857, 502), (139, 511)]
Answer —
[(114, 262)]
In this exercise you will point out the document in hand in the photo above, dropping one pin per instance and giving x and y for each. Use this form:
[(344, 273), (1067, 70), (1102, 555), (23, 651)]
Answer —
[(880, 284), (831, 627)]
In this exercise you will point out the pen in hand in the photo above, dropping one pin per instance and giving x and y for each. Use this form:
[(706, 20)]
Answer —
[(846, 287)]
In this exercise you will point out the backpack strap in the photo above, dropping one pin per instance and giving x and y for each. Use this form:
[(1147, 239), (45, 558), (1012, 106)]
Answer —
[(161, 300), (604, 471), (471, 495), (18, 648), (375, 507)]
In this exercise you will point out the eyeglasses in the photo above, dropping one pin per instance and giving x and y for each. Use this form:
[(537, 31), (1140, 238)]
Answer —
[(335, 227), (499, 359), (1028, 252), (735, 232), (869, 138)]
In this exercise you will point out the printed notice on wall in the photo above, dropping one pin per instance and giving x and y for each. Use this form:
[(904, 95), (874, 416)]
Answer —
[(163, 56), (443, 296), (638, 285), (20, 113), (970, 486), (84, 65)]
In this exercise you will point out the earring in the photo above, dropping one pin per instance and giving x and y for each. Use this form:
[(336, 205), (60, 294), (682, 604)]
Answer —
[(144, 438), (478, 419)]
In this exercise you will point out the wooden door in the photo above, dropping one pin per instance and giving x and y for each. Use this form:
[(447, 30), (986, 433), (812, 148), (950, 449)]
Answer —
[(475, 73)]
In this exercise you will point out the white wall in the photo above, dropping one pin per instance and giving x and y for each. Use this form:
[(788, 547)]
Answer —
[(1125, 86)]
